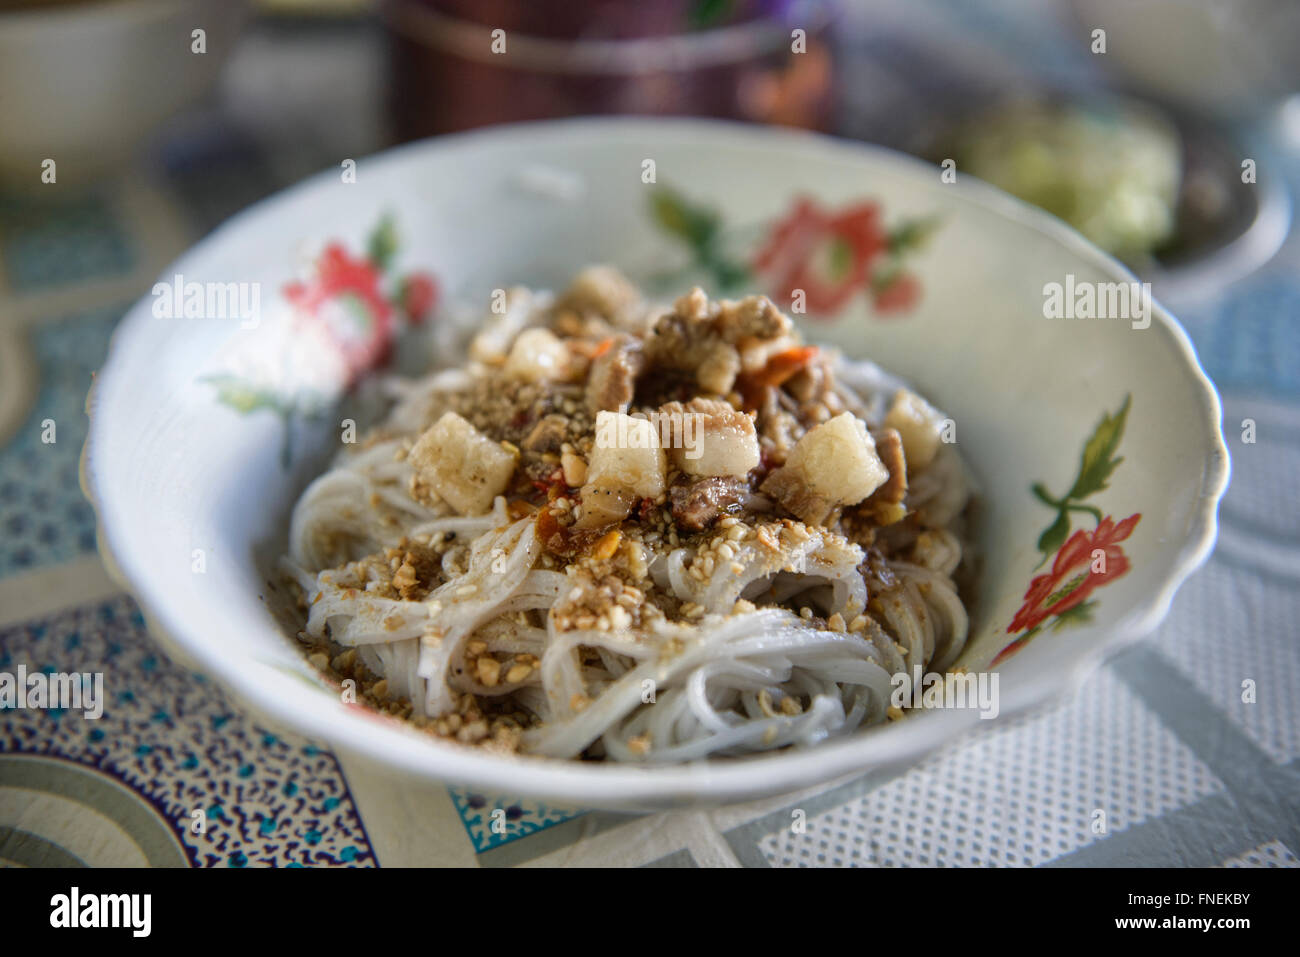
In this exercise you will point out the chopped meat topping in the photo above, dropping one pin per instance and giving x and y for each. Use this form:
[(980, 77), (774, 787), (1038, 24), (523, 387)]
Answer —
[(700, 504), (604, 292), (648, 458), (694, 346), (548, 434), (889, 446), (611, 384)]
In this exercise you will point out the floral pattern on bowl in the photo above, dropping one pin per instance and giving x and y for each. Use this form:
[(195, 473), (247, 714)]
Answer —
[(343, 322), (1084, 561), (814, 259)]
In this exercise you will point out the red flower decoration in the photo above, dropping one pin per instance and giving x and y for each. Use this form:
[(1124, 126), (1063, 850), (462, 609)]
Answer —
[(419, 295), (828, 256), (900, 295), (360, 320), (1072, 578)]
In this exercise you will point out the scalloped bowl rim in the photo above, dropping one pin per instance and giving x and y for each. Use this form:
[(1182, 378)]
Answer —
[(389, 744)]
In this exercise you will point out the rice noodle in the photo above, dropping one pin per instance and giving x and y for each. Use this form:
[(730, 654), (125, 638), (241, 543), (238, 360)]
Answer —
[(769, 648)]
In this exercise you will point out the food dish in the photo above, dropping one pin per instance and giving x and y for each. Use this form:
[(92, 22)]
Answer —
[(193, 495), (1110, 169), (638, 533)]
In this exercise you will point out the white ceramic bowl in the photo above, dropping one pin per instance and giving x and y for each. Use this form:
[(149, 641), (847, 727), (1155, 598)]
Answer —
[(1202, 55), (177, 475)]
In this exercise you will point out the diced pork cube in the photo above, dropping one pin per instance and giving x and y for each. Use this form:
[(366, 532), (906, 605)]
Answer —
[(919, 424), (627, 455), (702, 503), (710, 438), (498, 330), (465, 467), (538, 355), (833, 464)]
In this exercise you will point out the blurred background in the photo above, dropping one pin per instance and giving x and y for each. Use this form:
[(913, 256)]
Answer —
[(1133, 119), (1138, 121)]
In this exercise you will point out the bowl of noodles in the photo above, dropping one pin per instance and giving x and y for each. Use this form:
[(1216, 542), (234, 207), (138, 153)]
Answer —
[(640, 463)]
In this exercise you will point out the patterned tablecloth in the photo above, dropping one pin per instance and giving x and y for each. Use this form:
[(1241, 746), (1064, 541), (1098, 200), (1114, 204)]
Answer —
[(1160, 739)]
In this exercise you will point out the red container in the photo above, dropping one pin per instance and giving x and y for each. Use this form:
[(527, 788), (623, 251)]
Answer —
[(741, 59)]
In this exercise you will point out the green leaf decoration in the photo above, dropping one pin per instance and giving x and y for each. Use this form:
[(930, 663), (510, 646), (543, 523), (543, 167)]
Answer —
[(1080, 614), (841, 258), (730, 276), (1099, 461), (695, 225), (700, 229), (1043, 495), (244, 398), (382, 244), (1090, 509), (239, 395), (1055, 535), (1096, 465), (912, 234), (358, 311), (905, 238)]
